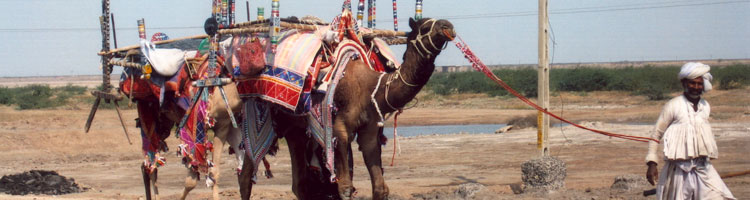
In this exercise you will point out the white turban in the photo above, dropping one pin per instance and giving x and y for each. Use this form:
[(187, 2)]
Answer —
[(693, 70)]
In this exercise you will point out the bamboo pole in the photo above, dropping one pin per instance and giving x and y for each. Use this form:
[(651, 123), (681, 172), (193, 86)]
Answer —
[(157, 42), (259, 27), (304, 27)]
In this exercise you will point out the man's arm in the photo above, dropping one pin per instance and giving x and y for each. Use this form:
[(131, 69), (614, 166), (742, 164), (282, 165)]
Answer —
[(665, 119)]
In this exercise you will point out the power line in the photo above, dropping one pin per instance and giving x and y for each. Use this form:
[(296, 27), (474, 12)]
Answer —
[(588, 10), (459, 17), (90, 29)]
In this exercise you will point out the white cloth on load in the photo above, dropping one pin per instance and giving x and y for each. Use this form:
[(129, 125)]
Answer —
[(691, 179), (165, 62), (685, 133), (693, 70)]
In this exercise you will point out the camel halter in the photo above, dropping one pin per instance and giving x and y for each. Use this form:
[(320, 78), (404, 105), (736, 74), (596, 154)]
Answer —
[(419, 41), (398, 75)]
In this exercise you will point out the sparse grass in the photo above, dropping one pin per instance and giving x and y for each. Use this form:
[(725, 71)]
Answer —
[(653, 82), (40, 96)]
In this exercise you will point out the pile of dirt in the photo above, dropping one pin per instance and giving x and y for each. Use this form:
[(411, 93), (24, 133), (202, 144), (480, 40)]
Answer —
[(38, 182)]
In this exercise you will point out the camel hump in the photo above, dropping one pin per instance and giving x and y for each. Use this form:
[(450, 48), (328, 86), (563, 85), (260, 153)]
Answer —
[(391, 63)]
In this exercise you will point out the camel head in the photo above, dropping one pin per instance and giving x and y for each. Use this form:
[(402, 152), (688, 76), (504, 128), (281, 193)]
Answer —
[(429, 36)]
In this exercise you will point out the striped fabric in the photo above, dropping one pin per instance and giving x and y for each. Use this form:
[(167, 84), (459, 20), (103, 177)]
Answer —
[(323, 111), (257, 128), (297, 51), (282, 83)]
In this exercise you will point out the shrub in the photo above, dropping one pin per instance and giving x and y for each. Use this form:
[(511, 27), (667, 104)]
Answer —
[(654, 82), (582, 79), (72, 89), (34, 97), (524, 81), (731, 77), (6, 96)]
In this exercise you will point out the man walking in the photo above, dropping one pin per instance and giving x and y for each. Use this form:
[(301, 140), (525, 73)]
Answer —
[(689, 144)]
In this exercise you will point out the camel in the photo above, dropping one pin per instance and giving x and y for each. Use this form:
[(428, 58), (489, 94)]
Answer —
[(223, 132), (357, 116), (168, 114)]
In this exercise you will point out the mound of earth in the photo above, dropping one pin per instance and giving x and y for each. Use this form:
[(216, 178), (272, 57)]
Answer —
[(38, 182)]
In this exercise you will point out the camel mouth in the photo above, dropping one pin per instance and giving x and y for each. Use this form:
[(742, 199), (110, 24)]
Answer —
[(450, 34)]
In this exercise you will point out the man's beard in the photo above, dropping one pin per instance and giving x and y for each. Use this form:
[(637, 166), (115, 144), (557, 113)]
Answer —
[(694, 94)]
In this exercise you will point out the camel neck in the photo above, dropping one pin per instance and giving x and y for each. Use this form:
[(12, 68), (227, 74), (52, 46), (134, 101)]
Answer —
[(409, 79), (417, 69)]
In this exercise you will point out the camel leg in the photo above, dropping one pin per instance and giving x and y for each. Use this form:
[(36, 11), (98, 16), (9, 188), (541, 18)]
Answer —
[(234, 139), (297, 147), (191, 180), (371, 150), (341, 132), (146, 182), (245, 178), (214, 172), (154, 175)]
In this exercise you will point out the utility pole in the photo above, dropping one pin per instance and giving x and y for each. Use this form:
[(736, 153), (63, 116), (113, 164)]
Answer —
[(543, 81)]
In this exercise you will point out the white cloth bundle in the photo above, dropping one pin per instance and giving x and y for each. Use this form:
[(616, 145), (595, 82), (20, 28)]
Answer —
[(165, 62)]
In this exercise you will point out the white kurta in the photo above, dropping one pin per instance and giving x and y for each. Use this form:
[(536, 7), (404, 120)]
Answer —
[(689, 145)]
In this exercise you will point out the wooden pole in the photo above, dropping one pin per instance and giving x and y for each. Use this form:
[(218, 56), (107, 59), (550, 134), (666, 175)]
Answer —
[(106, 67), (543, 81), (247, 8), (114, 31)]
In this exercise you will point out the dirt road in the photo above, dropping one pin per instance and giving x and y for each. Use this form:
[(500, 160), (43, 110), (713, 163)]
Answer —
[(427, 166)]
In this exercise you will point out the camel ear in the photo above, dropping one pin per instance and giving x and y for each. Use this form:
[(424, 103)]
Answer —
[(412, 23)]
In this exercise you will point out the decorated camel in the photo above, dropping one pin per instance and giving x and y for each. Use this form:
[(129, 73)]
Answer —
[(159, 112), (311, 131), (356, 115)]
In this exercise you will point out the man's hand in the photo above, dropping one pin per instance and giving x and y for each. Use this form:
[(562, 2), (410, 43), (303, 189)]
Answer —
[(652, 173)]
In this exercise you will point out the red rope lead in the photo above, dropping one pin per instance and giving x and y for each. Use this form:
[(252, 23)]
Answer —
[(479, 66)]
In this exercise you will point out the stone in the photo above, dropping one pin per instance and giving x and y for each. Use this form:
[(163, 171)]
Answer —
[(38, 182), (469, 190), (629, 182), (543, 174), (504, 129)]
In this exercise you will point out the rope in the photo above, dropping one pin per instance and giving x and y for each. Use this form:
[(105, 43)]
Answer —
[(479, 66), (395, 136), (399, 76), (125, 63), (372, 98)]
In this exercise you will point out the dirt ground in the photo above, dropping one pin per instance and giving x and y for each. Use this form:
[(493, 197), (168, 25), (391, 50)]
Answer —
[(427, 167)]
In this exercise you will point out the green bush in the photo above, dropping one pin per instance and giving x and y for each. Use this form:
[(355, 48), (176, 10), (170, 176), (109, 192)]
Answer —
[(523, 81), (72, 89), (39, 96), (581, 79), (731, 77), (35, 97), (6, 96), (653, 82)]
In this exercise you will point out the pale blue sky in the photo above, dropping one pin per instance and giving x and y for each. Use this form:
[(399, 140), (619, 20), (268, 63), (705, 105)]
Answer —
[(61, 37)]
